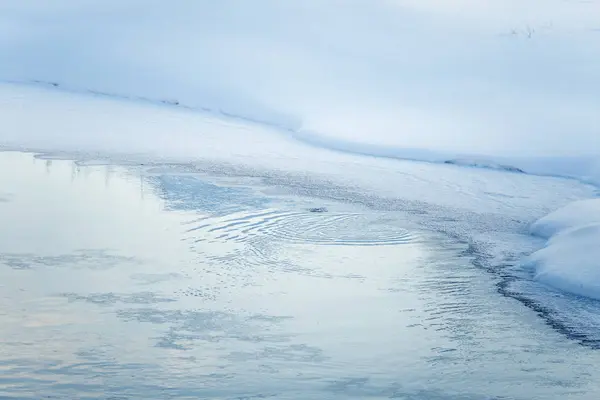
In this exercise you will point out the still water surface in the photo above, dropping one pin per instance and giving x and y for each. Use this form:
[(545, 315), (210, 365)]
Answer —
[(120, 284)]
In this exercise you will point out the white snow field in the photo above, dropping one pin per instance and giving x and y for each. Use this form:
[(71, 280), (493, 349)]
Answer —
[(507, 77)]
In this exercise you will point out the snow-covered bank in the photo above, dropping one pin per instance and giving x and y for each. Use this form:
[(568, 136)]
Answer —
[(584, 168), (51, 116), (571, 259), (574, 215), (46, 119), (377, 75), (93, 127), (368, 78)]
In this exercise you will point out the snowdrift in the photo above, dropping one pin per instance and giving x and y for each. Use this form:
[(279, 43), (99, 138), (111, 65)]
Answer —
[(571, 259), (573, 215)]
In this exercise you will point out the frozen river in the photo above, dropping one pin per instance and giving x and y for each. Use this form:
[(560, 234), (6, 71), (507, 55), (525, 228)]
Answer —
[(173, 282)]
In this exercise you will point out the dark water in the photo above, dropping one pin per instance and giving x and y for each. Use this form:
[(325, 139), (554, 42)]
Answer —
[(115, 285)]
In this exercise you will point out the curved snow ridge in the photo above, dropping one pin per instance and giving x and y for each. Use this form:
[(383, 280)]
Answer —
[(271, 120), (573, 215), (401, 153), (366, 149), (571, 259), (585, 169)]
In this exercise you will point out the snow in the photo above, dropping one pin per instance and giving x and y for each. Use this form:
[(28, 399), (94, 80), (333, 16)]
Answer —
[(46, 119), (371, 75), (573, 215), (583, 168), (52, 117), (571, 259)]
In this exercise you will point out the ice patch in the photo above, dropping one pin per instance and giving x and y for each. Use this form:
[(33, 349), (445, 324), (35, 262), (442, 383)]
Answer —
[(571, 259)]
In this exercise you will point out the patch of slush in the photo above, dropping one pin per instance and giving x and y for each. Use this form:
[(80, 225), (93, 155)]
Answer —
[(111, 299), (185, 192), (86, 258), (571, 259)]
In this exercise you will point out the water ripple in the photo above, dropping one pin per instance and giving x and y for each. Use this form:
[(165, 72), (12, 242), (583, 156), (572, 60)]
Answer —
[(306, 227)]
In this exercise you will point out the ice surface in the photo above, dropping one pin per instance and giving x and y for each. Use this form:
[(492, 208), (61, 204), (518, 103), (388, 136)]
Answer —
[(571, 259)]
